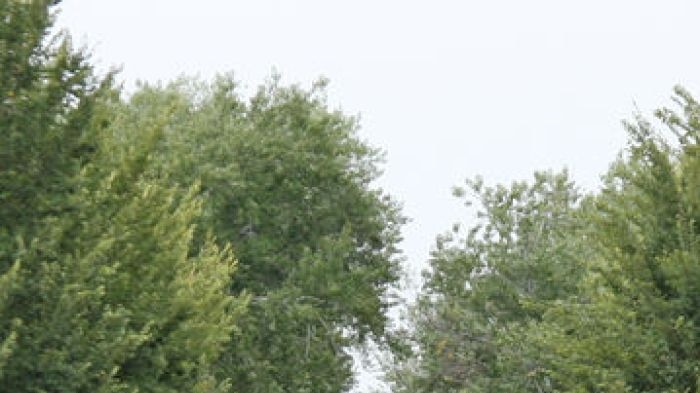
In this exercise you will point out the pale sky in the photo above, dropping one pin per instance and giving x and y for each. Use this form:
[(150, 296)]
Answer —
[(449, 89)]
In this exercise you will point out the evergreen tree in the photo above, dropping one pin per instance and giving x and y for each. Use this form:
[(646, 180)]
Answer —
[(101, 286), (635, 328), (48, 92)]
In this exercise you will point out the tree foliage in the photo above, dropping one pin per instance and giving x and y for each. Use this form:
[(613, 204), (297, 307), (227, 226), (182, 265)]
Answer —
[(599, 295), (120, 218), (289, 184), (639, 319), (488, 282), (102, 288)]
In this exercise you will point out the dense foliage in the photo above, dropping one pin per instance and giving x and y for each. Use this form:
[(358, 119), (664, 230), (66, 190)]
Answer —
[(188, 239), (288, 184), (120, 219), (552, 292), (101, 286)]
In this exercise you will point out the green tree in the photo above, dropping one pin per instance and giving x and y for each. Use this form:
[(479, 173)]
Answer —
[(102, 288), (614, 305), (113, 299), (289, 184), (487, 283), (635, 327), (48, 92)]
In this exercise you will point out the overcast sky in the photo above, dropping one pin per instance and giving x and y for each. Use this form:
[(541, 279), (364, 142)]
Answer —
[(450, 89)]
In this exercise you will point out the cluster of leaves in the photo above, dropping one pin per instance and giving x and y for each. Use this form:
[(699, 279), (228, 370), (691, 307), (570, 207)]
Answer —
[(119, 220), (555, 292)]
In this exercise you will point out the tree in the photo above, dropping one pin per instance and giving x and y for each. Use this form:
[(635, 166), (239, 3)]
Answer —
[(614, 305), (289, 184), (635, 327), (126, 306), (102, 288), (488, 284), (48, 92)]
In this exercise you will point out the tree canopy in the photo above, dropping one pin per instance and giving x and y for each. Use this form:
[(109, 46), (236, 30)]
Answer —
[(557, 292), (102, 287), (187, 237), (288, 183), (184, 238)]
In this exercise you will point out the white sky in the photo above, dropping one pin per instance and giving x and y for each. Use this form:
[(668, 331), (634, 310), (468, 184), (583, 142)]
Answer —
[(450, 89)]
